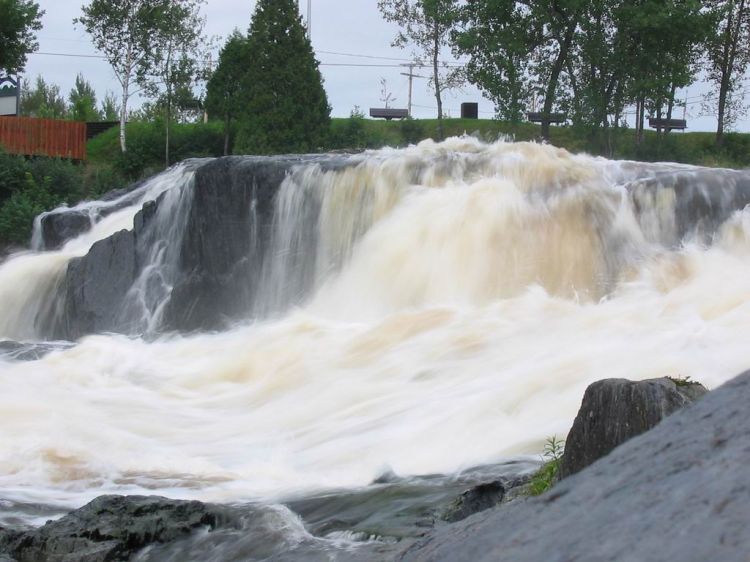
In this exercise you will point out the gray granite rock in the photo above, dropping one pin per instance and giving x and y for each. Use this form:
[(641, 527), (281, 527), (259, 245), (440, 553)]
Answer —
[(112, 528), (615, 410), (678, 492)]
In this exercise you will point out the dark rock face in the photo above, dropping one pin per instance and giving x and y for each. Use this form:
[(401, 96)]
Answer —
[(615, 410), (704, 198), (678, 492), (97, 283), (221, 248), (59, 227), (474, 500), (112, 528)]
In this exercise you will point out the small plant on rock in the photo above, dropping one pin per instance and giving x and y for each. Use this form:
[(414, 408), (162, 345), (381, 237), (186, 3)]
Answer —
[(546, 476), (679, 380)]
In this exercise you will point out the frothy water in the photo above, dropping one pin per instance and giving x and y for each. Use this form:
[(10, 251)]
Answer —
[(424, 310)]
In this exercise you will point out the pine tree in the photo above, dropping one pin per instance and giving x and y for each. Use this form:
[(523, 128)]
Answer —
[(224, 93), (285, 107)]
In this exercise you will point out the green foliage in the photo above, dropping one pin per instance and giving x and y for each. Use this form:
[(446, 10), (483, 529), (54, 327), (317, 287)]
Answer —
[(47, 183), (43, 100), (83, 101), (12, 174), (728, 54), (19, 19), (683, 381), (146, 147), (426, 25), (224, 89), (284, 108), (17, 213), (496, 37), (177, 48), (109, 111), (411, 131), (546, 476), (134, 36)]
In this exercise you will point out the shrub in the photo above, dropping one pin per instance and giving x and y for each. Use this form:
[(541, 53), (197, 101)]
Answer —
[(411, 130), (17, 213), (12, 174)]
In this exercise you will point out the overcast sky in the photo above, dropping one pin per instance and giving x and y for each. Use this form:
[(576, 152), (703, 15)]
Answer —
[(338, 26)]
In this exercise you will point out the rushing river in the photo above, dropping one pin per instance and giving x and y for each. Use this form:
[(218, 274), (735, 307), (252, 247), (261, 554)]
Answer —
[(452, 306)]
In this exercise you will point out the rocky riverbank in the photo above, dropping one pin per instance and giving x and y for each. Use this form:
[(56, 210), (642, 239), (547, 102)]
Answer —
[(676, 492)]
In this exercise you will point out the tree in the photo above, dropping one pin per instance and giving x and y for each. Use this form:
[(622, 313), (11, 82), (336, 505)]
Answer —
[(19, 20), (661, 51), (224, 90), (284, 104), (556, 22), (494, 37), (108, 108), (43, 101), (83, 101), (728, 55), (427, 25), (126, 32), (177, 50), (599, 70)]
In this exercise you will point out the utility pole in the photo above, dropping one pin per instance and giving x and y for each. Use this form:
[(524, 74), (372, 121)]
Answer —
[(411, 76), (309, 20), (309, 16)]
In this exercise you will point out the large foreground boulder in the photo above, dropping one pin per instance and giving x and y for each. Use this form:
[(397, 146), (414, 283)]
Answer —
[(112, 528), (615, 410), (678, 492)]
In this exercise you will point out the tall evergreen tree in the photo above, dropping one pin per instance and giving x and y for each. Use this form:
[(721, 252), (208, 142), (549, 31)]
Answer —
[(285, 107), (224, 91)]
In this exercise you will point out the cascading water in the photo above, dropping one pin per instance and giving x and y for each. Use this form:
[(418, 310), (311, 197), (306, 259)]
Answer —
[(30, 282), (426, 309)]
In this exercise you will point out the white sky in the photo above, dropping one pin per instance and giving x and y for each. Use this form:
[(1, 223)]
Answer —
[(341, 26)]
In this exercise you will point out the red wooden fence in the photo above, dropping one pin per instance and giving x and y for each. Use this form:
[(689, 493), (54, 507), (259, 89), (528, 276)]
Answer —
[(43, 137)]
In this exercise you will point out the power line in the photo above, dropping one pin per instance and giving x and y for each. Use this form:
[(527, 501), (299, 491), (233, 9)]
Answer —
[(75, 55), (361, 56), (346, 64)]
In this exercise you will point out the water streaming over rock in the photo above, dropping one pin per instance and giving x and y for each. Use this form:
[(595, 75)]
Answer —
[(269, 325)]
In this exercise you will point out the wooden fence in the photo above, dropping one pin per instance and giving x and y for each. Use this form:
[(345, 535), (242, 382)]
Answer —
[(43, 137)]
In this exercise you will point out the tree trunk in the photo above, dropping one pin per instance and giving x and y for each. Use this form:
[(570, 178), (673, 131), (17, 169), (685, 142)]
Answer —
[(637, 118), (731, 44), (436, 77), (166, 143), (554, 78), (124, 113), (641, 118), (227, 122), (670, 105), (168, 76)]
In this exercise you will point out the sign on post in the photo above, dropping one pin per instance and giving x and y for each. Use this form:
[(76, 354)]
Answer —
[(10, 95)]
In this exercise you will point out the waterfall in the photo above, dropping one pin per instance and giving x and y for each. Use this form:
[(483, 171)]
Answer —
[(244, 327)]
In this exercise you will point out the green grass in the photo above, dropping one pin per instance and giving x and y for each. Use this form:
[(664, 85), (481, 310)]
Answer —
[(146, 142), (547, 475)]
